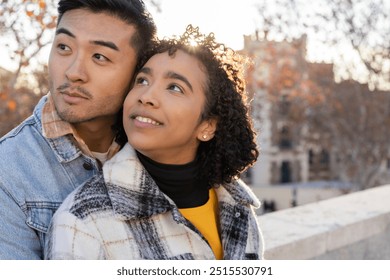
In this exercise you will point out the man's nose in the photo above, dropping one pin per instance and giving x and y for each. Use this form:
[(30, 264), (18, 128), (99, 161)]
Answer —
[(77, 72)]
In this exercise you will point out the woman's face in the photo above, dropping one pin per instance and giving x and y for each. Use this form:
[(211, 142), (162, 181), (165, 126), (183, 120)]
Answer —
[(161, 114)]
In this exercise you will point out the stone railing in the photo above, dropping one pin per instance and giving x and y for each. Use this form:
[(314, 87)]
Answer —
[(350, 227)]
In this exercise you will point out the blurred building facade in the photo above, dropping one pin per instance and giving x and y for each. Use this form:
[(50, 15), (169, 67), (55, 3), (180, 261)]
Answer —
[(279, 71), (273, 75)]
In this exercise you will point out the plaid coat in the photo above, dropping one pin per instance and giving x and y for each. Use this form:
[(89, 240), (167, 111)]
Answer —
[(122, 214)]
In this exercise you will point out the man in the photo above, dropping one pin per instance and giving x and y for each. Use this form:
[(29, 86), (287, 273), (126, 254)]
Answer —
[(95, 52)]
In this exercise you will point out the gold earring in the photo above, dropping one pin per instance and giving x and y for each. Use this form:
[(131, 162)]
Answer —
[(205, 137)]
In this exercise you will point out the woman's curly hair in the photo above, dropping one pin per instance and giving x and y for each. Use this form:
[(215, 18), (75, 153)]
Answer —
[(233, 147)]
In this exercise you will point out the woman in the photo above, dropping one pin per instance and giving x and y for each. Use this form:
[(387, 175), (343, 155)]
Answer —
[(173, 191)]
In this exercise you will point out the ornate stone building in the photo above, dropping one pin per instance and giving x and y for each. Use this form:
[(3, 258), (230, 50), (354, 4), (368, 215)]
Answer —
[(280, 69)]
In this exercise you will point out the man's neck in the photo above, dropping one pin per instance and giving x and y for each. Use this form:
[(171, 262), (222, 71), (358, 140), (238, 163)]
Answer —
[(98, 137)]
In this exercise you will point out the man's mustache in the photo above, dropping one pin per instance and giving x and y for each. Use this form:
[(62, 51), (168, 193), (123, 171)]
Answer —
[(68, 87)]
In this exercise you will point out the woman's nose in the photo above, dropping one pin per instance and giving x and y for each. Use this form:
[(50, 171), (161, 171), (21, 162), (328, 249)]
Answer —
[(149, 97)]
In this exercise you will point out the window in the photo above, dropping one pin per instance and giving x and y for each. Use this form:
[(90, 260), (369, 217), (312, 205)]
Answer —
[(285, 138), (285, 172)]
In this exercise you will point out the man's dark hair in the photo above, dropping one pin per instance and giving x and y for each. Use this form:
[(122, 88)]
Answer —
[(132, 12)]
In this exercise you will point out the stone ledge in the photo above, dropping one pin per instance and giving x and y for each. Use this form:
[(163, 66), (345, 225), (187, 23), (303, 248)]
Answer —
[(318, 230)]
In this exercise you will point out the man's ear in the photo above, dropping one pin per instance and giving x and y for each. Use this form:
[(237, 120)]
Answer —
[(207, 130)]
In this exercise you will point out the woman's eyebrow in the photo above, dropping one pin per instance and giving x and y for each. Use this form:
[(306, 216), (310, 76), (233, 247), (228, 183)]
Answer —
[(174, 75), (145, 70)]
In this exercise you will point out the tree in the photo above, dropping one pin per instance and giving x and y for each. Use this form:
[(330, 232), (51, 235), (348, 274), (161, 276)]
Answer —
[(25, 26), (350, 122), (354, 33)]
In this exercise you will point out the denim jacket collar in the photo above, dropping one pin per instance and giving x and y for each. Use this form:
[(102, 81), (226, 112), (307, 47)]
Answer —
[(63, 147)]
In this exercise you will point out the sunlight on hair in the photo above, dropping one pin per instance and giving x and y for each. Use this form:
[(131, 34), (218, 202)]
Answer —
[(193, 42)]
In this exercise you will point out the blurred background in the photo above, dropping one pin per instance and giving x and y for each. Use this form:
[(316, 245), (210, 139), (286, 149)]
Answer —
[(319, 83)]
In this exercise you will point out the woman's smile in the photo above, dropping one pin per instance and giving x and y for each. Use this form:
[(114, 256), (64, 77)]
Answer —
[(142, 121)]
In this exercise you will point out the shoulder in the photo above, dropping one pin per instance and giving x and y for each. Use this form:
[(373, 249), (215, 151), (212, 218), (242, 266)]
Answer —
[(8, 140), (239, 192), (32, 121), (20, 149)]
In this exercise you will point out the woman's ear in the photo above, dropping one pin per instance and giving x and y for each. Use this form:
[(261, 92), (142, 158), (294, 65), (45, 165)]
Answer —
[(207, 130)]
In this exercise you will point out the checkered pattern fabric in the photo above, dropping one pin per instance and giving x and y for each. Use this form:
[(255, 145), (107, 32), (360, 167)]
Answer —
[(122, 214)]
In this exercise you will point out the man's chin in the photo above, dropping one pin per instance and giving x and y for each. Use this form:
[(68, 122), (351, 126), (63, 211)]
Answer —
[(71, 117)]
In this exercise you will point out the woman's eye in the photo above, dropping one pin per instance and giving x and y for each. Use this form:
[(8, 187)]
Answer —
[(141, 81), (175, 88)]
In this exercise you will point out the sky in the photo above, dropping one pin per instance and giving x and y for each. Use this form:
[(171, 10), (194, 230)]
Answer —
[(229, 20)]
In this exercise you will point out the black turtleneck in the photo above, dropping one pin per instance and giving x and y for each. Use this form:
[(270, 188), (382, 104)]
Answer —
[(181, 183)]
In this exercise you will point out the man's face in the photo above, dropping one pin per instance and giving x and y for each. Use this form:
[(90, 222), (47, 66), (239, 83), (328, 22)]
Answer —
[(90, 66)]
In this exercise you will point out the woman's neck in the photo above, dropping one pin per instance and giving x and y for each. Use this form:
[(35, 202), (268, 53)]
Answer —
[(181, 183)]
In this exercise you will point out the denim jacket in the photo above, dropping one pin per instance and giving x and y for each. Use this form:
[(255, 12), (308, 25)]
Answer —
[(36, 174)]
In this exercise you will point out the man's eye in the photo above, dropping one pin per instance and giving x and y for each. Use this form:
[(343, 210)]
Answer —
[(63, 47), (100, 57)]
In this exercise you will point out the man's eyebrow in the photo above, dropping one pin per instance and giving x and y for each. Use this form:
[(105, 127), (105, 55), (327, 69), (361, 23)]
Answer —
[(174, 75), (65, 31), (107, 44)]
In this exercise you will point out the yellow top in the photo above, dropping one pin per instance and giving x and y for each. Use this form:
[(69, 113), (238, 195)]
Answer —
[(205, 219)]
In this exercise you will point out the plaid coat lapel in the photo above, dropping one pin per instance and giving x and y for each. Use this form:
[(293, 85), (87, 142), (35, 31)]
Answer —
[(132, 191)]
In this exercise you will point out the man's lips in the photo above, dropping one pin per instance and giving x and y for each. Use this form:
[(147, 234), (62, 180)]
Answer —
[(73, 94), (72, 97), (74, 91)]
